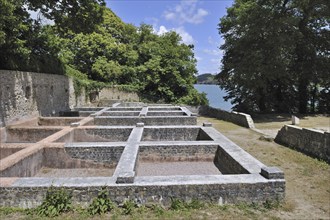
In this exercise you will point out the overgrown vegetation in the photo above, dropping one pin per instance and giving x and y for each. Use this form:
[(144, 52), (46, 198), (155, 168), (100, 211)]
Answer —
[(101, 204), (86, 40), (56, 202), (276, 55), (178, 209)]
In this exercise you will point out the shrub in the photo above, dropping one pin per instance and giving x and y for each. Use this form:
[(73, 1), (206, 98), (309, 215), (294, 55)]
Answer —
[(101, 204), (57, 201)]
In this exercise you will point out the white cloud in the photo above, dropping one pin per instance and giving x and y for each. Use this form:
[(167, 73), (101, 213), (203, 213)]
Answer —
[(186, 37), (213, 52), (162, 30), (215, 60), (198, 58), (186, 11)]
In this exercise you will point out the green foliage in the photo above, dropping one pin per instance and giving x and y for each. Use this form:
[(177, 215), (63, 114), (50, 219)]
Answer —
[(57, 201), (101, 204), (275, 56), (90, 43), (129, 206)]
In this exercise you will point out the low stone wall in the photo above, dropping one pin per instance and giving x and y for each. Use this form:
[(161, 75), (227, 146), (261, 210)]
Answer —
[(312, 142), (150, 190), (177, 152), (155, 120), (238, 118), (100, 154)]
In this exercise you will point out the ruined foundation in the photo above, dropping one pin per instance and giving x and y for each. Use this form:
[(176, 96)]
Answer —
[(149, 154)]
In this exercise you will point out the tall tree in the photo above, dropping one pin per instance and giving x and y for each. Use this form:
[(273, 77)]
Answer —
[(270, 53), (77, 16), (15, 31)]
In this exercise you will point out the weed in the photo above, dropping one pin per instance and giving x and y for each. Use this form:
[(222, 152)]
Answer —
[(57, 201), (177, 204), (159, 210), (101, 204), (11, 210), (129, 206), (271, 204)]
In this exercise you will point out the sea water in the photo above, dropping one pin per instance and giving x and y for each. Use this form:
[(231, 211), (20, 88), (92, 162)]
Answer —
[(215, 96)]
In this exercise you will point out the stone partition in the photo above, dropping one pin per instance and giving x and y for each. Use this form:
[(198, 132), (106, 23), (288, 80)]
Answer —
[(312, 142), (238, 118)]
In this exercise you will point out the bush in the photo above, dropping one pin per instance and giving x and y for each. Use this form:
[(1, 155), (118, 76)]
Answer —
[(57, 201), (101, 204)]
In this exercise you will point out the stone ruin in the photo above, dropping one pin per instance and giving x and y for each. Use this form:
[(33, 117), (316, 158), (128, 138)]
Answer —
[(146, 153)]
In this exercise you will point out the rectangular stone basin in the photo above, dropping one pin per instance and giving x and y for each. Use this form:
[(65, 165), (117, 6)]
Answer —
[(123, 109), (96, 135), (119, 113), (175, 134), (7, 149), (27, 134), (94, 109), (85, 113), (75, 161), (164, 109), (57, 121), (166, 113)]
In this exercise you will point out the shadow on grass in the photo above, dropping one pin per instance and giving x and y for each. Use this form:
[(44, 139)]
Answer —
[(267, 118)]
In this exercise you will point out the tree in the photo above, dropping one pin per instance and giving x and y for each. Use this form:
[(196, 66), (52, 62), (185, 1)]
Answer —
[(15, 30), (270, 53), (77, 16)]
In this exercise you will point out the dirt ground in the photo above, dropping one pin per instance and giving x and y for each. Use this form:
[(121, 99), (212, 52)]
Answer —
[(307, 179)]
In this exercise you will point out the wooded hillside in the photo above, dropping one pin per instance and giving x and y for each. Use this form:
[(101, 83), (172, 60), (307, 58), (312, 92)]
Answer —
[(88, 41)]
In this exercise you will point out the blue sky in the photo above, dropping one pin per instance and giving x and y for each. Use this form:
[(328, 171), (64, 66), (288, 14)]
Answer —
[(195, 20)]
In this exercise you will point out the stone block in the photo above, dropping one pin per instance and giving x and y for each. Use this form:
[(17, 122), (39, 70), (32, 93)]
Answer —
[(295, 120), (140, 124), (207, 124), (125, 177), (272, 173), (74, 124)]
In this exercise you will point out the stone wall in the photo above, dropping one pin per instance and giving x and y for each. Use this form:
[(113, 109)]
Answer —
[(25, 94), (117, 94), (312, 142), (28, 94), (238, 118), (143, 193)]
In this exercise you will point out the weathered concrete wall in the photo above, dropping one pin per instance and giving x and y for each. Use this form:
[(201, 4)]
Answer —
[(238, 118), (117, 94), (25, 94), (312, 142), (28, 94)]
